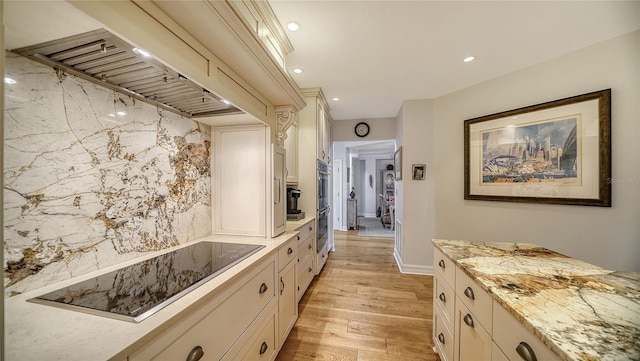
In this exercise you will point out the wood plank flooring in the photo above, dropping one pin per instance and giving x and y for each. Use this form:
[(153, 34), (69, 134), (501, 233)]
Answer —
[(362, 308)]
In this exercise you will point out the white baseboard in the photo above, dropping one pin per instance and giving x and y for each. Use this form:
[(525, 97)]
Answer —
[(412, 269)]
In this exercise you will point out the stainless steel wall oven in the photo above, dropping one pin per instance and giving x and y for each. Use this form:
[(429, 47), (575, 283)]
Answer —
[(323, 209)]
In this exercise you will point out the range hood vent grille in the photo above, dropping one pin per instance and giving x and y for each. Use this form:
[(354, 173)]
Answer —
[(107, 60)]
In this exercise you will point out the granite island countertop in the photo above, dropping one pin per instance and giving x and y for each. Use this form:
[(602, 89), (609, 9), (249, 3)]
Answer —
[(580, 311)]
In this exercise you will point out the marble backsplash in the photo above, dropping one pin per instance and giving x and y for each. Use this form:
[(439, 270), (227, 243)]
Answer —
[(93, 178)]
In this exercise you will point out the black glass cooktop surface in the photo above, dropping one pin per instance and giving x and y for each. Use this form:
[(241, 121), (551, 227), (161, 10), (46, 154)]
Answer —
[(135, 292)]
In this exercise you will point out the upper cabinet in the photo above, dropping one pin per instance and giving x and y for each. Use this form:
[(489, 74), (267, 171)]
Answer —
[(291, 145), (317, 121), (324, 133), (314, 144)]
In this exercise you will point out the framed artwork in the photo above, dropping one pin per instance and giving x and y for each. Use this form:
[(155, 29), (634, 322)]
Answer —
[(418, 171), (557, 152), (397, 163)]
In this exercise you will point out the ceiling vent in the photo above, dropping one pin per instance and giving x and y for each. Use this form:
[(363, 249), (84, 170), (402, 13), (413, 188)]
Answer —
[(103, 58)]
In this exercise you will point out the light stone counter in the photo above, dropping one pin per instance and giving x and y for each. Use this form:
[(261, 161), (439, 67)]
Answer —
[(293, 225), (580, 311), (41, 332)]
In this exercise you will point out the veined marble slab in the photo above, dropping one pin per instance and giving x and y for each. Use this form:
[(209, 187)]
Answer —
[(93, 177), (580, 311)]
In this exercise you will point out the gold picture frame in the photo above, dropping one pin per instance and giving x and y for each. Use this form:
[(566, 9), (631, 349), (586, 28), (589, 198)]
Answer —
[(557, 152)]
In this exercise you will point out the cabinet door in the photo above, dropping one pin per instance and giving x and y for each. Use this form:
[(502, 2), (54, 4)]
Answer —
[(291, 145), (279, 223), (287, 301), (473, 342)]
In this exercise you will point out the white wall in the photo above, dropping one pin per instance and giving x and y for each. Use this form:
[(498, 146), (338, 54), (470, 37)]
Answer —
[(415, 199), (608, 237), (380, 129)]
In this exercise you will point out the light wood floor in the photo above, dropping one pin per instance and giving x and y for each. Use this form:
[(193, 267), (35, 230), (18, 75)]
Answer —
[(362, 308)]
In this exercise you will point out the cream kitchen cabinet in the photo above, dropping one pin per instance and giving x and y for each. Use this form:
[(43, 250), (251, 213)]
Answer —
[(216, 326), (313, 145), (443, 306), (515, 341), (288, 295), (306, 254), (291, 145), (241, 181), (470, 325), (279, 195), (248, 320)]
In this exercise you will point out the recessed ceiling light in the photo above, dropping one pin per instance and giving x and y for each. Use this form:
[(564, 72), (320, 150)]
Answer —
[(469, 59), (335, 99), (293, 26), (298, 70), (9, 81)]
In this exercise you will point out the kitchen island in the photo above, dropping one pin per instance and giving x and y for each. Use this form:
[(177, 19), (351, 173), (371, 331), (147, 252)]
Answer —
[(577, 310)]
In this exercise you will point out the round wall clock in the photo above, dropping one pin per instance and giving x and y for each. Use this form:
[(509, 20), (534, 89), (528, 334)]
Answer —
[(362, 129)]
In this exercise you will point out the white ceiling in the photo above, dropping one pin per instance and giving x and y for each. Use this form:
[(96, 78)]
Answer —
[(376, 54)]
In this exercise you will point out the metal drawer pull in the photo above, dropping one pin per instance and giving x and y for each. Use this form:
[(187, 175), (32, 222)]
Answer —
[(441, 338), (263, 288), (526, 352), (468, 320), (442, 297), (309, 246), (263, 348), (311, 228), (469, 293), (195, 354), (441, 263), (282, 284), (310, 269), (290, 250)]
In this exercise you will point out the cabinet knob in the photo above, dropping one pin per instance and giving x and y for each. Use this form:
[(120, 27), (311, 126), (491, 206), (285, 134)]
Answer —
[(526, 352), (441, 338), (310, 228), (441, 263), (290, 250), (195, 354), (442, 297), (298, 238), (468, 320), (309, 246), (310, 269), (263, 348), (263, 288), (469, 293)]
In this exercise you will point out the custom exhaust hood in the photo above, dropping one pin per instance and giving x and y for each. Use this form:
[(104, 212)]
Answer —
[(103, 58)]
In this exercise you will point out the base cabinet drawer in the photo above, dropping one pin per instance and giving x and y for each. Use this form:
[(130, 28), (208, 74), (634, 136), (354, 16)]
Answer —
[(445, 298), (229, 315), (444, 267), (442, 337), (516, 342), (305, 276), (475, 298), (258, 344), (497, 354), (473, 342)]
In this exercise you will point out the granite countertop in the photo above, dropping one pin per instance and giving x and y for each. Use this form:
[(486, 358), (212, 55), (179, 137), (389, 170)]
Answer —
[(580, 311), (40, 332)]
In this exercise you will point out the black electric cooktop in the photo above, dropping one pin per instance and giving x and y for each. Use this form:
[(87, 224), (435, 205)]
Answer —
[(135, 292)]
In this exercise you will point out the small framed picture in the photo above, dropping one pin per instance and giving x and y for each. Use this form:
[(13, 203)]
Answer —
[(418, 171), (397, 163)]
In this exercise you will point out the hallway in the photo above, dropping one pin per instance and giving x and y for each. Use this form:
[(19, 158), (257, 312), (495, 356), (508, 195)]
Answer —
[(362, 308)]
